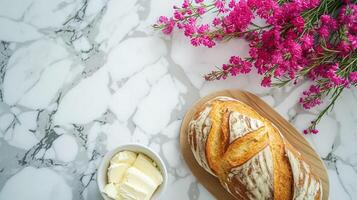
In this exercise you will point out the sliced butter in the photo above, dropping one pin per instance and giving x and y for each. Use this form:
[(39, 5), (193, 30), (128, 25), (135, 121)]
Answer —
[(116, 172), (128, 157), (111, 191), (146, 165), (136, 185)]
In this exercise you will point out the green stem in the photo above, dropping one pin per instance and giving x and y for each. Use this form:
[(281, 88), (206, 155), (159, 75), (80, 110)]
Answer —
[(336, 94), (234, 34)]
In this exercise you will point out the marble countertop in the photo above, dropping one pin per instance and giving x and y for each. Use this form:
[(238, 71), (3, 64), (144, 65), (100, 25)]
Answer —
[(78, 78)]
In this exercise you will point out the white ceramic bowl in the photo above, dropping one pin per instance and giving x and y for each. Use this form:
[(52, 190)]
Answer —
[(103, 167)]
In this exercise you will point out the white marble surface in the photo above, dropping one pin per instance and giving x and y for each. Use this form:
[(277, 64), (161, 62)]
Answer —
[(78, 78)]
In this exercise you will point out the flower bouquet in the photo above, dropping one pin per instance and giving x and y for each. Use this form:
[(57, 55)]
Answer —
[(294, 40)]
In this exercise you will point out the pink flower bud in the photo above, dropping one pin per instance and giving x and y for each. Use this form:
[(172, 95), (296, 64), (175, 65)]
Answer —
[(314, 131), (266, 82)]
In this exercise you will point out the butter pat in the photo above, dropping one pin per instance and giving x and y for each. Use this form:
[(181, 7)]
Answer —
[(132, 176), (148, 167), (111, 191), (136, 185), (128, 157), (116, 172)]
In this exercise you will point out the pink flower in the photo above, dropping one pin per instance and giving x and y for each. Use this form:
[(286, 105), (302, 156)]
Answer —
[(190, 27), (218, 36), (314, 131), (353, 77), (328, 21), (180, 25), (189, 30), (323, 31), (185, 4), (208, 42), (353, 41), (232, 3), (348, 15), (269, 10), (253, 52), (237, 66), (337, 81), (220, 6), (291, 10), (266, 82), (201, 10), (277, 58), (271, 38), (299, 23), (291, 74), (344, 48), (234, 71), (307, 4), (327, 24), (163, 19), (195, 42), (216, 21), (199, 1), (313, 4), (314, 89), (169, 24), (331, 73), (235, 60), (311, 97), (240, 17), (203, 28), (325, 19), (168, 30), (279, 71), (294, 48), (254, 4), (178, 15), (225, 67), (307, 41), (246, 67)]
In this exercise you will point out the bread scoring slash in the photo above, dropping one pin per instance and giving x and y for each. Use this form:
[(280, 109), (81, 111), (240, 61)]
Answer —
[(248, 154)]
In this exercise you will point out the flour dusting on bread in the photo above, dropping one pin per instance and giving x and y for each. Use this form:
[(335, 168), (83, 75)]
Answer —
[(306, 187), (198, 133), (257, 175), (240, 125)]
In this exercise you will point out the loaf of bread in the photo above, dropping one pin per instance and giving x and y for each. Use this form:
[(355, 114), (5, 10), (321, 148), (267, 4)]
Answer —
[(248, 154)]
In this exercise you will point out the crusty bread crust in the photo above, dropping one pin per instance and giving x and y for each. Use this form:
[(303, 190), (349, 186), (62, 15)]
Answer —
[(251, 158)]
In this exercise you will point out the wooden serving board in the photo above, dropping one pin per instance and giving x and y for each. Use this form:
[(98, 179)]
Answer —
[(290, 133)]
